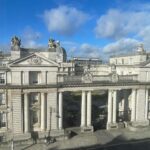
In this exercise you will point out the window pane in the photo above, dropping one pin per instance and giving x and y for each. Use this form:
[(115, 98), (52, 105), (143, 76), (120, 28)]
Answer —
[(2, 120), (2, 99), (2, 79), (35, 117)]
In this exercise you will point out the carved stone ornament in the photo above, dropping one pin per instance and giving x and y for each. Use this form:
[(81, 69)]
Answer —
[(114, 77), (87, 78), (35, 60), (113, 68)]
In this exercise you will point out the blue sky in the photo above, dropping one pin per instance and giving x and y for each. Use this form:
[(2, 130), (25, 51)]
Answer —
[(95, 28)]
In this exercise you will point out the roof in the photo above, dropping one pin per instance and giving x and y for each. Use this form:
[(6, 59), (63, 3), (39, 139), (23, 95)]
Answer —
[(129, 54)]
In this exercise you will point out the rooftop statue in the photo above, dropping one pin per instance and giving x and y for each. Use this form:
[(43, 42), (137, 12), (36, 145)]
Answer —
[(15, 41), (140, 48), (51, 43)]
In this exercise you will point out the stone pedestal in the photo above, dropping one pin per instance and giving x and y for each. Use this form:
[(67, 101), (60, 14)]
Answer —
[(87, 129), (112, 126)]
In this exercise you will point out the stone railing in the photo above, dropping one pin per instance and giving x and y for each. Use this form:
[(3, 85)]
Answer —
[(104, 78), (73, 79), (128, 78)]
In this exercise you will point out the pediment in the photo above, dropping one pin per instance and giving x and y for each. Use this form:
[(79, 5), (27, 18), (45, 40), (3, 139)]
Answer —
[(147, 65), (34, 60)]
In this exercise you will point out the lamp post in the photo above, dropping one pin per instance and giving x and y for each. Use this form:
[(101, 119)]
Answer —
[(50, 110)]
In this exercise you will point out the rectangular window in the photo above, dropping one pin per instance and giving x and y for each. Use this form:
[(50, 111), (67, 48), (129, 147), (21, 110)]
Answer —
[(34, 77), (2, 78), (2, 99), (2, 120), (148, 106)]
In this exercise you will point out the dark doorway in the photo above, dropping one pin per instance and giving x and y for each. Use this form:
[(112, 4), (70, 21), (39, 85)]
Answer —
[(71, 109), (99, 109)]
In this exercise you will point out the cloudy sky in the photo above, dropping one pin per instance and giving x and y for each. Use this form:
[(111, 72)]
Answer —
[(86, 28)]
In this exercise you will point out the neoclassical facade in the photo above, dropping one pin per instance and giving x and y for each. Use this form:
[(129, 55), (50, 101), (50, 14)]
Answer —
[(32, 83)]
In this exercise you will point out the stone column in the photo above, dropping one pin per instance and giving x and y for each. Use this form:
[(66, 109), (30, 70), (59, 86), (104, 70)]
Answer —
[(26, 78), (43, 77), (60, 100), (83, 109), (43, 110), (109, 107), (126, 103), (89, 108), (26, 113), (133, 103), (146, 104), (114, 106)]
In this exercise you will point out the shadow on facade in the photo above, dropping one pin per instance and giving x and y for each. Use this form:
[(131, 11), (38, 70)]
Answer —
[(71, 109), (99, 109)]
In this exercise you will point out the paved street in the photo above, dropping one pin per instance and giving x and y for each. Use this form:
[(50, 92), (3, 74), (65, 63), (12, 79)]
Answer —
[(104, 140)]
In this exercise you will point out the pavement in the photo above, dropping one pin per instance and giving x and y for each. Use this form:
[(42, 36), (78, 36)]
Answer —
[(100, 138)]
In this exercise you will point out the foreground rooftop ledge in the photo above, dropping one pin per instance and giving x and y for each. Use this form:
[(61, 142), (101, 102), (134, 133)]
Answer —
[(64, 85)]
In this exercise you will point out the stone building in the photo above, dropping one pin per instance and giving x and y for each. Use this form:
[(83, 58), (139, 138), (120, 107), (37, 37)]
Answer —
[(28, 90), (32, 83)]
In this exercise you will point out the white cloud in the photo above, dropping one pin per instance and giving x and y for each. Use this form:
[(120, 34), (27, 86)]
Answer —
[(127, 28), (30, 38), (117, 24), (145, 33), (110, 25), (82, 50), (90, 50), (64, 20), (121, 46)]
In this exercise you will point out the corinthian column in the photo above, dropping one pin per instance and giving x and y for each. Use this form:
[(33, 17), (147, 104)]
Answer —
[(26, 113), (60, 100), (109, 107), (146, 104), (89, 108), (114, 106), (83, 109), (43, 110), (133, 102)]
